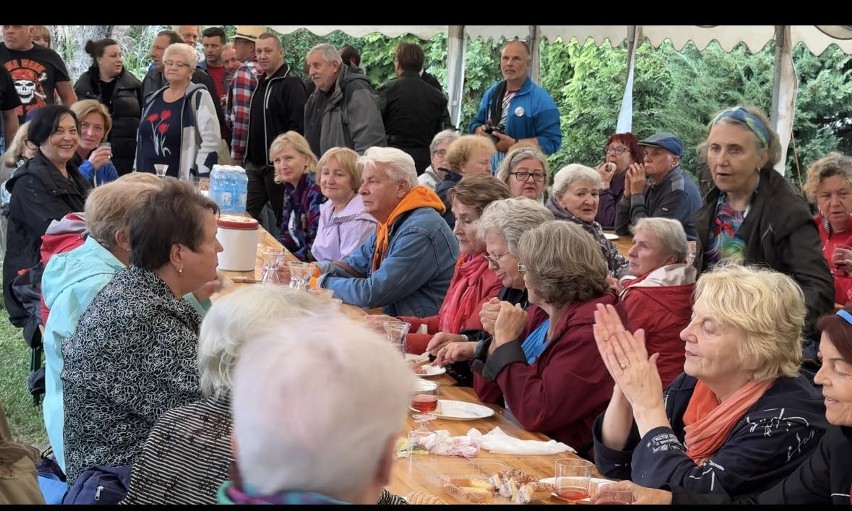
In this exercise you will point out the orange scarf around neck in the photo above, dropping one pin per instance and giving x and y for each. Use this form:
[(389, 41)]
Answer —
[(709, 422), (418, 197)]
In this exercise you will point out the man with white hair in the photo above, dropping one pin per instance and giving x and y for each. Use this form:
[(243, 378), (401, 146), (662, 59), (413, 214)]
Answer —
[(334, 397), (406, 266)]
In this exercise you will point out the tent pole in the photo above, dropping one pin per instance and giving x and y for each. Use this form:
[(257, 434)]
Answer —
[(455, 72), (784, 88)]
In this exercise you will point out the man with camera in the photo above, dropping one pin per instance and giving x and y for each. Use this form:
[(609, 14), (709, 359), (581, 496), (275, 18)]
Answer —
[(516, 109)]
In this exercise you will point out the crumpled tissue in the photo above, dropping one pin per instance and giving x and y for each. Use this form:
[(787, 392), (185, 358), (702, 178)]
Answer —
[(498, 442), (441, 443)]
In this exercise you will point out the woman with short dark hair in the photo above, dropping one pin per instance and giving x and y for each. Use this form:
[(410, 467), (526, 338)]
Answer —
[(45, 188), (133, 353)]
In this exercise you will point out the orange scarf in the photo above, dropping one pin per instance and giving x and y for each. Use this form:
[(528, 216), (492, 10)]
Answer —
[(708, 422), (465, 291), (418, 197)]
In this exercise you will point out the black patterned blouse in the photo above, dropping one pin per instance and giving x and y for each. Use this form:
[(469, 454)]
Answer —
[(131, 358)]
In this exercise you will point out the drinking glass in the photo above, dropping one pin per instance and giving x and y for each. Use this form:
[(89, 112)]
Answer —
[(611, 495), (300, 275), (690, 253), (425, 402), (271, 263), (573, 477), (161, 169), (396, 331), (322, 293), (839, 255)]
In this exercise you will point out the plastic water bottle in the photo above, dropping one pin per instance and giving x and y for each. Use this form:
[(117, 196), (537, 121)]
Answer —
[(215, 187), (241, 192)]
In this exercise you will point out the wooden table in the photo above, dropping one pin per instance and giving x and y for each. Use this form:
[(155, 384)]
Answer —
[(406, 476), (623, 243)]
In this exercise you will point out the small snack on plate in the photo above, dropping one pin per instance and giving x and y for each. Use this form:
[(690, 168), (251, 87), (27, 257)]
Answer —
[(419, 497), (531, 492), (420, 370), (474, 495)]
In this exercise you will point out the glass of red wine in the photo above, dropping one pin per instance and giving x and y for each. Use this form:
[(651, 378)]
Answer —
[(424, 401)]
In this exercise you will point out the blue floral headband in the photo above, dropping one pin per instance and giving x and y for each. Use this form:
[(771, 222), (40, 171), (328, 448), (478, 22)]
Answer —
[(749, 119)]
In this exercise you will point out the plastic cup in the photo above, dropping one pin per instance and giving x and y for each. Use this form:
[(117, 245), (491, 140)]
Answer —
[(573, 478), (606, 494)]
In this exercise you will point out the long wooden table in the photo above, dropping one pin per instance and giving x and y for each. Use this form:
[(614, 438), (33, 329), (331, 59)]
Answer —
[(408, 473)]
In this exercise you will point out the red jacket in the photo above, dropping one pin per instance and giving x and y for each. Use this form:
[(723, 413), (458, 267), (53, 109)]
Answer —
[(842, 283), (662, 308), (476, 291), (565, 389)]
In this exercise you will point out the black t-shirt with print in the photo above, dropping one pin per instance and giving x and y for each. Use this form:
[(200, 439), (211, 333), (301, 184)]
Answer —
[(34, 74)]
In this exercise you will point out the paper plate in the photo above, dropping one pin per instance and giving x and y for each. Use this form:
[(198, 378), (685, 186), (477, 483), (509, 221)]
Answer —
[(462, 410), (412, 358), (595, 482), (430, 370), (610, 236)]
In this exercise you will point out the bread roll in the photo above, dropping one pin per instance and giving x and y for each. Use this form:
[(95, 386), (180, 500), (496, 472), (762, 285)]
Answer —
[(531, 492), (419, 497), (475, 495)]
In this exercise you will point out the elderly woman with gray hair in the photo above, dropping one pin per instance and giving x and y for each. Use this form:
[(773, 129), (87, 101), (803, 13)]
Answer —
[(576, 196), (187, 455), (179, 126), (526, 172), (659, 297), (541, 363)]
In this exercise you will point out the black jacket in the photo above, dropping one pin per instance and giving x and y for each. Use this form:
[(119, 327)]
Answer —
[(281, 98), (824, 478), (779, 231), (413, 112), (39, 195), (125, 110)]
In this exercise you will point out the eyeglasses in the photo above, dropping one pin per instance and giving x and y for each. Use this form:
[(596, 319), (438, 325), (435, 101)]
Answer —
[(172, 63), (523, 176), (440, 153), (495, 260), (522, 268), (616, 150)]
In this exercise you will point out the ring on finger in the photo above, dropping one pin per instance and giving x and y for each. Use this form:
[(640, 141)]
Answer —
[(624, 365)]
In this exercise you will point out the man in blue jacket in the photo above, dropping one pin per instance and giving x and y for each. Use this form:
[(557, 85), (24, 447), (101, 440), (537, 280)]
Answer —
[(406, 266), (516, 109)]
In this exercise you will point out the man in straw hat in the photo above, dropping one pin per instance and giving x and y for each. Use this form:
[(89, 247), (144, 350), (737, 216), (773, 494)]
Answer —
[(242, 86)]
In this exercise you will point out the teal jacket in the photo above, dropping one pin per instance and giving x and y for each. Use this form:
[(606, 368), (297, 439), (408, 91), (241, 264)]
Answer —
[(69, 283)]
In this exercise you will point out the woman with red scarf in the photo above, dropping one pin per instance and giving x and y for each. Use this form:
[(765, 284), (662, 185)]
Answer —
[(829, 186), (473, 282), (740, 418)]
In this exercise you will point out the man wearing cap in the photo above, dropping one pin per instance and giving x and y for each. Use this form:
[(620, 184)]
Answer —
[(242, 86), (671, 193)]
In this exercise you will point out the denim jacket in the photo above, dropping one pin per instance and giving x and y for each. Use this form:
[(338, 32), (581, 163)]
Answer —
[(414, 275)]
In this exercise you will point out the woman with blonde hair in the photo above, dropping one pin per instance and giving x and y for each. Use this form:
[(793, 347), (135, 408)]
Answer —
[(468, 155), (295, 164), (740, 418), (343, 224), (92, 159)]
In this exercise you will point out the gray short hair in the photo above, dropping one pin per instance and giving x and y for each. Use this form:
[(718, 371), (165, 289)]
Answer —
[(575, 172), (518, 155), (564, 264), (400, 165), (234, 321), (442, 137), (510, 218), (184, 49), (329, 53), (669, 231), (330, 397)]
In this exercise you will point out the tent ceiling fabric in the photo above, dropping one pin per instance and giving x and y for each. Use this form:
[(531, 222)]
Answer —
[(817, 38)]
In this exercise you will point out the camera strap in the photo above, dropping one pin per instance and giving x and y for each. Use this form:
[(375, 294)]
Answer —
[(495, 106)]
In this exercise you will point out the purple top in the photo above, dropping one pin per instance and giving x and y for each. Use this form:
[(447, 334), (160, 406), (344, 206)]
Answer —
[(609, 200), (339, 236)]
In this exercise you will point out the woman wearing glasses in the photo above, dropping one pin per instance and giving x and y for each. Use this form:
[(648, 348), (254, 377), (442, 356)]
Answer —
[(576, 193), (179, 126), (542, 363), (621, 151), (525, 171)]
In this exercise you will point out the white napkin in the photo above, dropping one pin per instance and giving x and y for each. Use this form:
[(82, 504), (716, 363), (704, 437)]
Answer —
[(441, 443), (498, 442)]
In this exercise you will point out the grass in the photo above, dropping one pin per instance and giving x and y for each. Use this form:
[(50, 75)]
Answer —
[(24, 417)]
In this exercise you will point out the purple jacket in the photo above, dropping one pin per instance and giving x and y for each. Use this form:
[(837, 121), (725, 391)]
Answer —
[(339, 236)]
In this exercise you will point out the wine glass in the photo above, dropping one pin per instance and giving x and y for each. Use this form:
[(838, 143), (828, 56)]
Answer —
[(425, 402), (396, 331), (839, 256), (300, 275), (271, 263), (161, 169)]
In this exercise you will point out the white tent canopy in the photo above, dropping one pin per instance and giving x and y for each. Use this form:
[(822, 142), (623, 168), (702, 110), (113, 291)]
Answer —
[(816, 37)]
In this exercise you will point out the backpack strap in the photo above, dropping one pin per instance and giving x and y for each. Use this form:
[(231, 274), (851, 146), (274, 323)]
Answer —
[(495, 106)]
